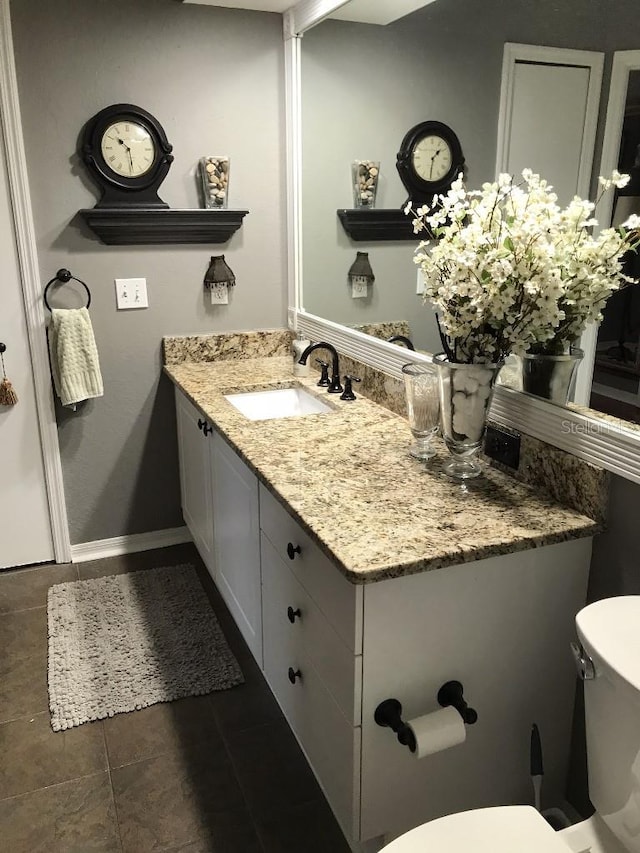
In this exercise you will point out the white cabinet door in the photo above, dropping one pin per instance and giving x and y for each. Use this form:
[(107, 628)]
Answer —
[(237, 541), (195, 478)]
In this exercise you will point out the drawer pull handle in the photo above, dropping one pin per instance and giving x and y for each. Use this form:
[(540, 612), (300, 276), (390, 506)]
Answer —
[(291, 614), (293, 674), (291, 551)]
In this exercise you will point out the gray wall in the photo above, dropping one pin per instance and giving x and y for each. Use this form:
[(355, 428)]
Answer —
[(214, 79), (365, 86)]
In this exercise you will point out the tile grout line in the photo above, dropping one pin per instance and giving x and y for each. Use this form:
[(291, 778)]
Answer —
[(113, 793), (23, 609), (54, 785), (227, 750)]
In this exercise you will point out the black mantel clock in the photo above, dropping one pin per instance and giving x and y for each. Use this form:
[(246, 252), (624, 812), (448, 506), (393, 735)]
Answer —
[(429, 160), (128, 155)]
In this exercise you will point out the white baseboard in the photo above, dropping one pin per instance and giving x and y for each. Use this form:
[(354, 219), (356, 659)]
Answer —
[(101, 548)]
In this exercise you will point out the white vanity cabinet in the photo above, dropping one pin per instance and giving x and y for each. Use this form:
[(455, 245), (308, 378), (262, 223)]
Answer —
[(332, 650), (220, 507), (195, 477), (237, 541), (502, 626)]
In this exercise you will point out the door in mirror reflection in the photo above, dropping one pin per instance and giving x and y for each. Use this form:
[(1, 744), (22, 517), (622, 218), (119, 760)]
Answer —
[(616, 374)]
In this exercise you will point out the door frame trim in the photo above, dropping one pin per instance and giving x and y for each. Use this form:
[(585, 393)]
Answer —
[(31, 287)]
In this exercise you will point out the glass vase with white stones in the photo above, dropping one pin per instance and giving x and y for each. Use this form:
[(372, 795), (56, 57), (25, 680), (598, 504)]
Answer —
[(465, 395), (364, 181), (214, 181)]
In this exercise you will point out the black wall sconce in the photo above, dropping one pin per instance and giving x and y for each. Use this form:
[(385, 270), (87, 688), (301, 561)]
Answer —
[(360, 275), (218, 279)]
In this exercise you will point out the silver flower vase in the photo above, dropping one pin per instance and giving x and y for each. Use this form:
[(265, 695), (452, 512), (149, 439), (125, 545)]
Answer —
[(550, 376), (465, 394)]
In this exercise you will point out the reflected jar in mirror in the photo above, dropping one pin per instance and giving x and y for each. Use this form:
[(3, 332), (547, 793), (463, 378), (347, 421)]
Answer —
[(551, 377), (423, 407), (214, 181), (364, 179), (465, 394)]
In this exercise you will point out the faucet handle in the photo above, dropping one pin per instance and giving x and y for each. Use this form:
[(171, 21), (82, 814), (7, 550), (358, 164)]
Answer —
[(324, 380), (348, 390)]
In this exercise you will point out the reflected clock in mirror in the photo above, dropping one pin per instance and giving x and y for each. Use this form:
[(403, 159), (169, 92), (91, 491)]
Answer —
[(429, 160)]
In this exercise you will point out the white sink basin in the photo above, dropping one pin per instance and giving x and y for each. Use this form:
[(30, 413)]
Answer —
[(279, 403)]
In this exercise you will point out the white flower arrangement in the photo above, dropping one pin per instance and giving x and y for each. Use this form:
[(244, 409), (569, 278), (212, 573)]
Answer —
[(511, 271)]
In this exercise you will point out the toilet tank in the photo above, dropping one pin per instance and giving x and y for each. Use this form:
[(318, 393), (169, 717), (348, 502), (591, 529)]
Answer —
[(609, 631)]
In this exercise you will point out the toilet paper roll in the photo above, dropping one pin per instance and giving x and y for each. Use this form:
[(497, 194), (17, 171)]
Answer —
[(437, 731)]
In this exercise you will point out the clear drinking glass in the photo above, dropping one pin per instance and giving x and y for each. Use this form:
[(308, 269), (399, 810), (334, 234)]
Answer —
[(423, 407)]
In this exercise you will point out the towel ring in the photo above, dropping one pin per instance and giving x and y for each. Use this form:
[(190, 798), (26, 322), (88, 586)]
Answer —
[(62, 277)]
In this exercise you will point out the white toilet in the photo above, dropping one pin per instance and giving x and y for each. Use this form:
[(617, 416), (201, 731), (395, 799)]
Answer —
[(609, 658)]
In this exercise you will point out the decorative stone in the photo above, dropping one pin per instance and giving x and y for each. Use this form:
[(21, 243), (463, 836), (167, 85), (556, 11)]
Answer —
[(365, 175), (214, 181)]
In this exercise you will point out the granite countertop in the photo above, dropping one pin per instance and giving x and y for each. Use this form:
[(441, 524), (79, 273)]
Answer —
[(348, 479)]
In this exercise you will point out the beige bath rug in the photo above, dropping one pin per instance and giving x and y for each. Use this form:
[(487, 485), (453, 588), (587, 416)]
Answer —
[(124, 642)]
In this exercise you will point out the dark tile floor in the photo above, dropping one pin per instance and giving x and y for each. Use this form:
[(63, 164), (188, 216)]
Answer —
[(213, 774)]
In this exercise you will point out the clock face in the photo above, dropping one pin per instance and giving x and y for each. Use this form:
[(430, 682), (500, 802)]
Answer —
[(128, 149), (431, 158)]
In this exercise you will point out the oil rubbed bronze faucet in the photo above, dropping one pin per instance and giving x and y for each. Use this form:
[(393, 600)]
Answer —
[(401, 339), (335, 387)]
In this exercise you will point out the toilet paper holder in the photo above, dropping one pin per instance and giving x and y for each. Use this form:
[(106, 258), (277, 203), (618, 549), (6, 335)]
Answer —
[(389, 712)]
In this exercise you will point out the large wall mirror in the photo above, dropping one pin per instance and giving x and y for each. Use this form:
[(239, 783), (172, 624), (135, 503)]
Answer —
[(363, 86)]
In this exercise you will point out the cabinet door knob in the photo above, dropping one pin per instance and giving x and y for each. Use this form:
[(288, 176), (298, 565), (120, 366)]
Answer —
[(293, 674), (206, 429), (291, 614), (201, 423), (291, 551)]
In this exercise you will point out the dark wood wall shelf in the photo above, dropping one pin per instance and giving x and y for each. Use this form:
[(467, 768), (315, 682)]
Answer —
[(377, 224), (128, 226)]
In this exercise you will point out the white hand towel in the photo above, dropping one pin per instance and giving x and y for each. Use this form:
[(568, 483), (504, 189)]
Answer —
[(74, 356)]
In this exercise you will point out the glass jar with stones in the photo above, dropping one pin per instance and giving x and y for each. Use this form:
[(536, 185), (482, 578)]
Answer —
[(364, 180), (214, 181)]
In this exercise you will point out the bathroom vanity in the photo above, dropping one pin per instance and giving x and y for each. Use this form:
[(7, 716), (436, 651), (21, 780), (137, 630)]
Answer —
[(356, 574)]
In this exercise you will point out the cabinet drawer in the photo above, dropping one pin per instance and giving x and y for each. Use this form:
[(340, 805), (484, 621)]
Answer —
[(330, 742), (336, 665), (339, 600)]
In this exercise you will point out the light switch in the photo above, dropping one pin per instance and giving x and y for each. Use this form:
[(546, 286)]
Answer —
[(131, 293)]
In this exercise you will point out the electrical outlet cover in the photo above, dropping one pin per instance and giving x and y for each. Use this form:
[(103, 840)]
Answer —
[(219, 294), (503, 445), (358, 290)]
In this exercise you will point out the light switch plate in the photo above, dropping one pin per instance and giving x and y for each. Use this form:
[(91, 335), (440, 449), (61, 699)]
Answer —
[(131, 293)]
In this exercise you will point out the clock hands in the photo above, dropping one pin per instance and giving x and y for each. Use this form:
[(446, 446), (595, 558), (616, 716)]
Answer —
[(122, 142), (432, 161)]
